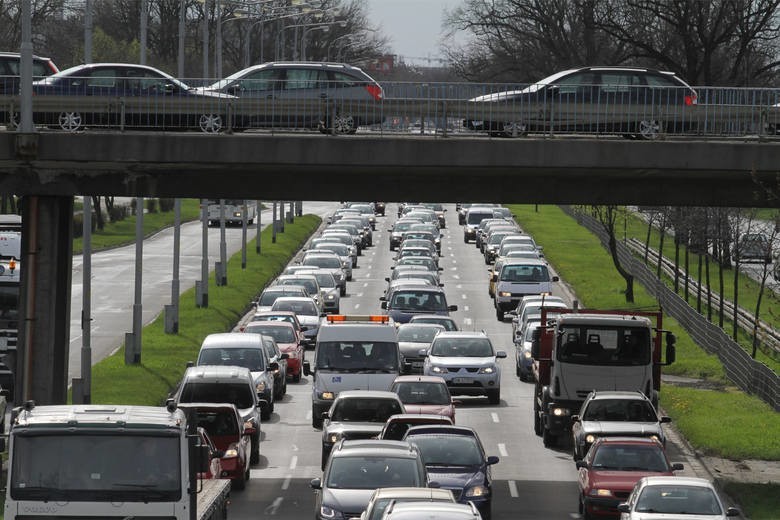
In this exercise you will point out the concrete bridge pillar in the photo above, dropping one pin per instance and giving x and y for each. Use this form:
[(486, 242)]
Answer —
[(44, 307)]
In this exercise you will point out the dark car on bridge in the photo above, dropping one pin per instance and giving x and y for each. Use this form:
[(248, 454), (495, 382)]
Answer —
[(326, 96), (10, 72), (631, 101), (124, 95)]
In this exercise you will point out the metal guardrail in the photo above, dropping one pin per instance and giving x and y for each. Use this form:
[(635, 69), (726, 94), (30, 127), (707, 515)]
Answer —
[(445, 109), (748, 374), (745, 319)]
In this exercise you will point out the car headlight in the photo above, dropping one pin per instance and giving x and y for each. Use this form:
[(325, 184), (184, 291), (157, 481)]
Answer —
[(487, 370), (260, 387), (590, 438), (329, 512), (600, 492), (477, 491), (331, 296), (327, 395), (560, 412), (439, 370), (333, 438), (655, 438), (232, 452), (527, 354), (505, 294)]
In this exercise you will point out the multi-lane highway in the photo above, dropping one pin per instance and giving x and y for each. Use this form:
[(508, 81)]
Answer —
[(530, 481)]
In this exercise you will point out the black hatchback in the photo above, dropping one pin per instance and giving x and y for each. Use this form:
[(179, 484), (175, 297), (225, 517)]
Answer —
[(632, 101)]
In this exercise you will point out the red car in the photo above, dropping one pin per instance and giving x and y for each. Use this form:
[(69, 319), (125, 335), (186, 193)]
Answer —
[(612, 467), (215, 456), (230, 435), (425, 395), (288, 341), (281, 316)]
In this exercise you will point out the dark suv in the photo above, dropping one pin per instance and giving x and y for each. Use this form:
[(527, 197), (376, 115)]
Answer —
[(10, 71), (633, 101)]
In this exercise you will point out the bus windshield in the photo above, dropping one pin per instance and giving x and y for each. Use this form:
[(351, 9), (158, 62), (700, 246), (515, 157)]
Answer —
[(623, 346), (357, 356)]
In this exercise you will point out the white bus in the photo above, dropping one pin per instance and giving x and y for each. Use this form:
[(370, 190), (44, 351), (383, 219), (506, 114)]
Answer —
[(234, 211)]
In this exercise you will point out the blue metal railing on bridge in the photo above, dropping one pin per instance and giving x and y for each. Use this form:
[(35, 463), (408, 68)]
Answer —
[(423, 109)]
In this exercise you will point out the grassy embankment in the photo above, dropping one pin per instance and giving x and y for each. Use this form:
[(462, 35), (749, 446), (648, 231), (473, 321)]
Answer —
[(726, 422)]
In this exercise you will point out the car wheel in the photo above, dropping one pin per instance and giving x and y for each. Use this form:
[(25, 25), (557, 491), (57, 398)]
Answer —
[(13, 121), (324, 460), (487, 511), (254, 456), (519, 372), (296, 377), (494, 396), (349, 278), (649, 129), (343, 291), (71, 121), (465, 239), (238, 483), (548, 439), (513, 129), (211, 123), (316, 422), (537, 418), (265, 413), (499, 314)]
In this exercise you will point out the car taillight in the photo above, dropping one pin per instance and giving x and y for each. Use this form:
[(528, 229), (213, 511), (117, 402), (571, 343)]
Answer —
[(691, 99), (375, 91)]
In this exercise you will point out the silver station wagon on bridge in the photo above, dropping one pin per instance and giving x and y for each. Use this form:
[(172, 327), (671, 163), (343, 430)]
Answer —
[(327, 96)]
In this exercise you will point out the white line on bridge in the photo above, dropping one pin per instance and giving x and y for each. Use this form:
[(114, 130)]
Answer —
[(467, 322), (494, 416), (294, 461), (502, 449), (465, 308), (513, 489)]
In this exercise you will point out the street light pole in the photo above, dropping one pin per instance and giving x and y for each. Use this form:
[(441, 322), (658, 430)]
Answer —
[(182, 18), (205, 39), (88, 31), (144, 30), (324, 28), (218, 49)]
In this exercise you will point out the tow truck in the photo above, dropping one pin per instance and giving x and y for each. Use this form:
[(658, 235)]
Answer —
[(579, 351)]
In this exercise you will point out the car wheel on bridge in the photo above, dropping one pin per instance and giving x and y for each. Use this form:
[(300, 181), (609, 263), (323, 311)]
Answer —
[(70, 121), (649, 129), (210, 123), (341, 124), (513, 129)]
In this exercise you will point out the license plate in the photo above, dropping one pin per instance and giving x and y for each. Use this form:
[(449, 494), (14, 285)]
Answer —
[(462, 380)]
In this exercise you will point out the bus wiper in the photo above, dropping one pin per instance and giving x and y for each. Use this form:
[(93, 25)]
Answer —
[(43, 493)]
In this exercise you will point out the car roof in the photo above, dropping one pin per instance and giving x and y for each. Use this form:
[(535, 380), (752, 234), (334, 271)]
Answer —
[(628, 440), (421, 325), (462, 334), (374, 448), (617, 394), (524, 261), (658, 480), (224, 372), (231, 340), (384, 394), (295, 299), (427, 508), (423, 418), (441, 429), (412, 492)]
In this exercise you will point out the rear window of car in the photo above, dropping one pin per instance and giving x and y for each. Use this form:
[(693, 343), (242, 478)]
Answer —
[(371, 472), (217, 423), (239, 394), (280, 334), (419, 301), (298, 307), (417, 334), (462, 347), (364, 409), (251, 358), (323, 261)]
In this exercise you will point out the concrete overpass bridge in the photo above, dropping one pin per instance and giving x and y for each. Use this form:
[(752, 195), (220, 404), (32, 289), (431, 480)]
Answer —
[(49, 168)]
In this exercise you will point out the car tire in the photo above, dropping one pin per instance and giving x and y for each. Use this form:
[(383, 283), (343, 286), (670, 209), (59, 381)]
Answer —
[(323, 461), (499, 314), (211, 123), (349, 278), (537, 418), (518, 372), (296, 378), (316, 422), (465, 239), (266, 411), (649, 129), (487, 511), (238, 483), (548, 439), (494, 396), (71, 121), (254, 449), (343, 291)]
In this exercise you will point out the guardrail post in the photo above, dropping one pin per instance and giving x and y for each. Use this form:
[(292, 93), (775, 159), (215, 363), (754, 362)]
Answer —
[(122, 114), (444, 117)]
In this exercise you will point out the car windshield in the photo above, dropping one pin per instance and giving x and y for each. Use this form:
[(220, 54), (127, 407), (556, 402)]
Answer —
[(269, 297), (251, 358), (633, 410), (371, 472), (302, 307), (310, 285), (414, 334), (339, 249), (532, 273), (448, 450), (276, 317), (240, 394), (678, 500), (630, 458), (357, 356), (420, 392), (402, 226), (360, 409), (328, 262), (280, 334), (419, 301), (621, 346), (424, 261), (462, 347), (218, 422), (325, 279)]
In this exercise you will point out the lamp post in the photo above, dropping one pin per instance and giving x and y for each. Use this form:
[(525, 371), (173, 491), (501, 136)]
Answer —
[(280, 33), (324, 28)]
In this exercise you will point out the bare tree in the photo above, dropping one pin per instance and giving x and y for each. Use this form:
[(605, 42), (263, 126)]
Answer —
[(607, 217)]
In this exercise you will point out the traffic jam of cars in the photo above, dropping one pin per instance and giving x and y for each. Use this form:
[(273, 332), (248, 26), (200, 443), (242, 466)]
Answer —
[(386, 385), (339, 98)]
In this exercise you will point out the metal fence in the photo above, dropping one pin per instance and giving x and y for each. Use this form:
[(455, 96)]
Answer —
[(423, 109), (748, 374)]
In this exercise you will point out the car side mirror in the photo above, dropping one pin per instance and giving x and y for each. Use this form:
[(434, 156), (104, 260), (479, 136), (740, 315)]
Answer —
[(387, 279), (678, 466), (732, 511), (581, 464), (315, 483), (555, 278), (492, 460), (249, 428), (665, 419), (307, 368), (203, 455), (168, 88), (623, 508), (441, 269), (494, 278), (384, 305), (284, 356), (575, 418), (452, 308), (423, 352), (500, 354)]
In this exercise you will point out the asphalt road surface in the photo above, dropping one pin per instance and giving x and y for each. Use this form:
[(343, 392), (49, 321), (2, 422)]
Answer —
[(530, 481)]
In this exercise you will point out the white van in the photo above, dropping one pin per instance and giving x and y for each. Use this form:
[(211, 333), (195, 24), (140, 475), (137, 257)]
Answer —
[(352, 353), (520, 277)]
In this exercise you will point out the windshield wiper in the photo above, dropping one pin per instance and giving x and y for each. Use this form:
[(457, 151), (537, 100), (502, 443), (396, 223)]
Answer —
[(43, 493)]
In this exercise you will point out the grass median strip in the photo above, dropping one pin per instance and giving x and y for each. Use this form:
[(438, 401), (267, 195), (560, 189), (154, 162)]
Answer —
[(164, 356)]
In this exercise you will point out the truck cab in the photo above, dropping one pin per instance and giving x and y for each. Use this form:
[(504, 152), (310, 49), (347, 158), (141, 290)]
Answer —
[(577, 352)]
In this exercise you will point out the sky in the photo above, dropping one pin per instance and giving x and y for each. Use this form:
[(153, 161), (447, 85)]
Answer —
[(413, 26)]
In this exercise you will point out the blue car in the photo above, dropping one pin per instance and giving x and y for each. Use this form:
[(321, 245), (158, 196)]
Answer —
[(410, 301), (455, 459), (124, 95)]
